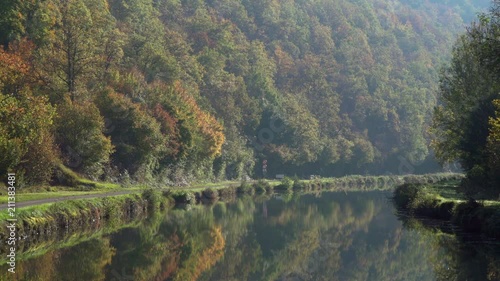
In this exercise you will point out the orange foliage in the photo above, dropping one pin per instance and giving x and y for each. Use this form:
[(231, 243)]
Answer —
[(213, 131), (211, 255), (15, 67), (210, 128)]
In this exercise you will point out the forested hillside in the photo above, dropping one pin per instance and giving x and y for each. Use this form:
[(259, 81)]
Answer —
[(180, 90)]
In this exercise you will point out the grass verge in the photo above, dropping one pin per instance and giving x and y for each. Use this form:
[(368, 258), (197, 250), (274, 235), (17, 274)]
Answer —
[(38, 223), (442, 202)]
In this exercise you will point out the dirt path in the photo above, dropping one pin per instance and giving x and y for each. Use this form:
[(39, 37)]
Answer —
[(66, 198)]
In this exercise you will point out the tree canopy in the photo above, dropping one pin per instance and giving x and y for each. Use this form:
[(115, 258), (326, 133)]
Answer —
[(466, 120), (185, 90)]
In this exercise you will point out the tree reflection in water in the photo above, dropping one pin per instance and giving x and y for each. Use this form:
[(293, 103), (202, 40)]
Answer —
[(328, 236)]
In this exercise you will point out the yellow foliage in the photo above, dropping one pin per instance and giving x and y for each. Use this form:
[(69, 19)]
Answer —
[(211, 130), (206, 259), (211, 255), (495, 124)]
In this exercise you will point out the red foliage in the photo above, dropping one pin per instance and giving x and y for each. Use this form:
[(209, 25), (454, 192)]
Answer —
[(168, 127)]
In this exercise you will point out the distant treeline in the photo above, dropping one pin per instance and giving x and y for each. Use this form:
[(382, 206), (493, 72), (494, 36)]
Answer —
[(176, 91)]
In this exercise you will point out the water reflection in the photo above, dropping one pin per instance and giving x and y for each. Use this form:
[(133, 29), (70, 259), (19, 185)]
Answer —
[(328, 236), (458, 255)]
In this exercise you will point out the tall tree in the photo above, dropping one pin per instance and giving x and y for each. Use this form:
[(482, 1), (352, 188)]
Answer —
[(80, 46)]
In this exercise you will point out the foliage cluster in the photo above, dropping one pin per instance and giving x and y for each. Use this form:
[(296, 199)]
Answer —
[(467, 122), (175, 91)]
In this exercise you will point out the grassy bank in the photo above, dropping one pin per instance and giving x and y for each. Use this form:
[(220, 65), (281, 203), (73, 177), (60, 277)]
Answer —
[(349, 183), (80, 186), (440, 201), (38, 223), (70, 184)]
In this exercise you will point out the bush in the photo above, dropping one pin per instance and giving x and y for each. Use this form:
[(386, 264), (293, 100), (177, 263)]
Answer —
[(26, 141), (425, 201), (286, 184), (227, 193), (210, 193), (184, 197), (245, 188), (405, 194), (40, 162), (153, 198), (298, 184), (261, 186), (79, 132)]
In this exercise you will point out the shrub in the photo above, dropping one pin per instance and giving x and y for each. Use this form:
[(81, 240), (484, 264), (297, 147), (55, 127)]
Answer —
[(298, 184), (26, 141), (210, 193), (79, 132), (405, 194), (40, 162), (261, 186), (269, 189), (153, 198), (286, 184), (245, 188), (227, 193), (184, 197)]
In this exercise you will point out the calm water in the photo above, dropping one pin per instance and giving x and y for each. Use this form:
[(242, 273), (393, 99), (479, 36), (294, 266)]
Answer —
[(328, 236)]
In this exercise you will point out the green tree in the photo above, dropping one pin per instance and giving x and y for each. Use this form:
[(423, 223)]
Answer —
[(80, 135), (26, 120), (461, 122), (134, 133), (493, 146), (11, 21), (83, 43), (26, 141)]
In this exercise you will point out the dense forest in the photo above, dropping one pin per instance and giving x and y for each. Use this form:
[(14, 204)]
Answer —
[(466, 123), (181, 90)]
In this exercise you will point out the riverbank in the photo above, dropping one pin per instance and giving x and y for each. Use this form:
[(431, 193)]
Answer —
[(348, 183), (36, 223), (39, 222), (440, 201), (84, 188)]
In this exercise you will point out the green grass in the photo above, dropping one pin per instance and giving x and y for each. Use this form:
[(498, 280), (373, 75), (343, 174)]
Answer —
[(83, 186), (442, 201), (447, 190), (59, 193), (73, 179), (78, 215)]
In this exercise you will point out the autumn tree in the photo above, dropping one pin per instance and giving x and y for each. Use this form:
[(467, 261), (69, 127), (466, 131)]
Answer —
[(26, 120)]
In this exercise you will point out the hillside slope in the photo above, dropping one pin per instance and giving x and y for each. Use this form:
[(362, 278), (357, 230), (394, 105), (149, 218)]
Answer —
[(183, 90)]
